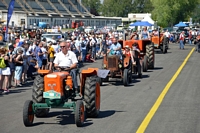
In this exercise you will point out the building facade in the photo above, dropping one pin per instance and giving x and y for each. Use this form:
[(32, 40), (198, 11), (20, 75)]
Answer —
[(52, 12)]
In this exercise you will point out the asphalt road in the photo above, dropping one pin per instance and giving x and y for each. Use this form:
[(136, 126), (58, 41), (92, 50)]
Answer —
[(124, 108)]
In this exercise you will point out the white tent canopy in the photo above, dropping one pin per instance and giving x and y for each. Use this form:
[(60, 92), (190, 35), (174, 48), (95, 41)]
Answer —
[(148, 19)]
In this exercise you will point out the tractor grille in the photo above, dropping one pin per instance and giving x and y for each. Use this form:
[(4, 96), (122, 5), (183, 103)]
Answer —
[(113, 62)]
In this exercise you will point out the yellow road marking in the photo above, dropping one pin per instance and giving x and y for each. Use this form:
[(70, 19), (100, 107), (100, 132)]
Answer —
[(156, 105)]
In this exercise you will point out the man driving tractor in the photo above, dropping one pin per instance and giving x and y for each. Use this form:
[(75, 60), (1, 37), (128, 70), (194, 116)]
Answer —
[(67, 59), (115, 48)]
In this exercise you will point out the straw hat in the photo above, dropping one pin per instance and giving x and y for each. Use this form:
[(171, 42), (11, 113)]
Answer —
[(127, 47)]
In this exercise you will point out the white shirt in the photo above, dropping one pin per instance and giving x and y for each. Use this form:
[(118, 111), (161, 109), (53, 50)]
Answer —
[(44, 50), (65, 60), (77, 44), (167, 34)]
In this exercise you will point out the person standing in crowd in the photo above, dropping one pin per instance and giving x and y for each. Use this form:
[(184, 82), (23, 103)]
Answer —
[(83, 48), (12, 36), (167, 34), (190, 36), (77, 48), (12, 57), (18, 67), (25, 62), (39, 55), (93, 43), (5, 72), (182, 38), (51, 55), (44, 60)]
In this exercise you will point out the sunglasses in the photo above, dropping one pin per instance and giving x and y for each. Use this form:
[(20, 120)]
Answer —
[(62, 46)]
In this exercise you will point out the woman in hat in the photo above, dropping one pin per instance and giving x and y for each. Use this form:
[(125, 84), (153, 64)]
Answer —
[(128, 52)]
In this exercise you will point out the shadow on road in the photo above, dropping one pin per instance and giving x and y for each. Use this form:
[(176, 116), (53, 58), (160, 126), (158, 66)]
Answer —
[(155, 68), (63, 118), (107, 113)]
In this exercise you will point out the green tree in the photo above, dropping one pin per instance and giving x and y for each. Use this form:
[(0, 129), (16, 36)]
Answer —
[(94, 6), (169, 12), (116, 8)]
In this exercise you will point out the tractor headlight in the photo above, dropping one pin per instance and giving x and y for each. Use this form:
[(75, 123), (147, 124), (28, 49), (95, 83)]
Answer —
[(67, 88), (104, 65)]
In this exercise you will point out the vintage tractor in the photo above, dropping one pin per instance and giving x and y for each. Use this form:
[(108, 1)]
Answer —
[(55, 90), (160, 42), (146, 54), (118, 68)]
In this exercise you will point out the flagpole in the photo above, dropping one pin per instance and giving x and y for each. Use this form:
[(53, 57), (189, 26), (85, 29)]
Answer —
[(9, 15)]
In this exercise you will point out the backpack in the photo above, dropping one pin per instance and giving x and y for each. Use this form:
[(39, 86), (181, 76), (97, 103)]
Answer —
[(2, 63)]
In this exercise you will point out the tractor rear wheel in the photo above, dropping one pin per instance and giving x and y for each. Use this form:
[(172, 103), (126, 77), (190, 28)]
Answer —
[(145, 64), (150, 55), (28, 114), (92, 96), (37, 95), (79, 113)]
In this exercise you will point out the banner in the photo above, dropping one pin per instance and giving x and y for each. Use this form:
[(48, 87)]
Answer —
[(10, 11)]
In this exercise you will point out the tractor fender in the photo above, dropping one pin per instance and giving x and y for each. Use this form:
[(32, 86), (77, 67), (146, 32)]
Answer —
[(126, 61), (44, 72)]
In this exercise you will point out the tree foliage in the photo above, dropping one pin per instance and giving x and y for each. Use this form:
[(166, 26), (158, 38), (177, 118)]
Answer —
[(165, 12), (116, 8), (94, 6), (169, 12)]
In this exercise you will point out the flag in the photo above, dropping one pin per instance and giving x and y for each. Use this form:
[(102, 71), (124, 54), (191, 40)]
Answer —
[(10, 11)]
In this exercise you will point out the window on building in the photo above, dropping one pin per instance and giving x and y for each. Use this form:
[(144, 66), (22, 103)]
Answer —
[(54, 1), (22, 21)]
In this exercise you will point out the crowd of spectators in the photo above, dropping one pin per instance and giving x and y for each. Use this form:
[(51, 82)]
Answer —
[(27, 52)]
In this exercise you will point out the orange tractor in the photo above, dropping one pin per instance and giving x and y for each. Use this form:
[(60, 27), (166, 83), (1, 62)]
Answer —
[(146, 54), (160, 42), (118, 68), (55, 90)]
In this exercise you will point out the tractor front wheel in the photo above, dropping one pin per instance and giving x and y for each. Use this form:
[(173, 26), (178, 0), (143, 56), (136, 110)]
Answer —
[(127, 77), (92, 96), (28, 114), (79, 113), (144, 64), (37, 95)]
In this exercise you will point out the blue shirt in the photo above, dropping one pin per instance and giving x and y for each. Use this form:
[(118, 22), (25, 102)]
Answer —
[(113, 46), (38, 57)]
